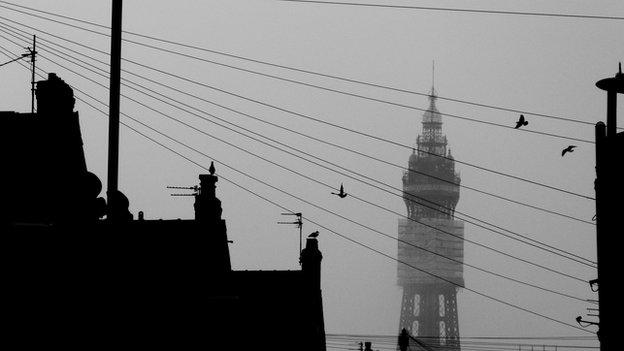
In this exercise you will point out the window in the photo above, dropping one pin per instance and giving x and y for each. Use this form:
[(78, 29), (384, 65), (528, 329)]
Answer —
[(442, 327), (416, 305), (415, 328), (442, 305)]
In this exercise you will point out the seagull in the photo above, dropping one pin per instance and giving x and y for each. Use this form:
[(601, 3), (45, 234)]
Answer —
[(521, 122), (341, 194), (313, 234), (568, 149)]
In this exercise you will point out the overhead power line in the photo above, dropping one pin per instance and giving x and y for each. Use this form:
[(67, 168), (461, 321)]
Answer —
[(298, 173), (74, 72), (307, 71), (315, 86), (311, 220), (323, 121), (331, 230), (103, 72), (308, 136), (461, 10), (352, 240), (351, 336), (280, 165)]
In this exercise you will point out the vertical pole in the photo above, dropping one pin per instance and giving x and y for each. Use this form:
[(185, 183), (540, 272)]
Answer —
[(601, 185), (609, 194), (113, 116), (32, 79), (611, 113)]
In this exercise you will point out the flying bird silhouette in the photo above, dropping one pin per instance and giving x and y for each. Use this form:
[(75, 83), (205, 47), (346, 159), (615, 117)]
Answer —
[(313, 234), (341, 194), (521, 122), (568, 149)]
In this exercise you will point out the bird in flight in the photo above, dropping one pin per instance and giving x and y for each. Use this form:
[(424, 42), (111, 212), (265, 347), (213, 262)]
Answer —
[(313, 234), (341, 194), (521, 122), (568, 149)]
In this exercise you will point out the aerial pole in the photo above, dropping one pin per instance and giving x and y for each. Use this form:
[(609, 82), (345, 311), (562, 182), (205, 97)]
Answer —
[(113, 115), (299, 223)]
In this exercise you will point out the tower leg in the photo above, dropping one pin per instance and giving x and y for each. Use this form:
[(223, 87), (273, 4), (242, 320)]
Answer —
[(430, 312)]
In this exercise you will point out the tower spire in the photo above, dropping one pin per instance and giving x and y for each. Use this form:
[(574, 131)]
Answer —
[(433, 94)]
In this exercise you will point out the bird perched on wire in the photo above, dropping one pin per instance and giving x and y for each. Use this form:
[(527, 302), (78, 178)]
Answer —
[(313, 234), (521, 122), (342, 193), (568, 149)]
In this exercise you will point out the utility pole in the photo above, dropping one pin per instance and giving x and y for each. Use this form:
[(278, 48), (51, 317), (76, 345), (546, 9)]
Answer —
[(609, 197), (113, 115)]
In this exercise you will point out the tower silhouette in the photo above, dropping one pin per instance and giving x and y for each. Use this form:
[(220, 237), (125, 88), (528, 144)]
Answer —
[(431, 192)]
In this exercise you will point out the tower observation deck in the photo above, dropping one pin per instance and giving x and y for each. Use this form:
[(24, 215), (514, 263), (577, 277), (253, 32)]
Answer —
[(431, 192)]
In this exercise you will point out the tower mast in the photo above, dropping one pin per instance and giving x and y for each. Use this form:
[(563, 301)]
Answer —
[(429, 305)]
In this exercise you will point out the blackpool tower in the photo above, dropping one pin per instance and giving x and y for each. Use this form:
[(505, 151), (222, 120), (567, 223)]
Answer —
[(429, 237)]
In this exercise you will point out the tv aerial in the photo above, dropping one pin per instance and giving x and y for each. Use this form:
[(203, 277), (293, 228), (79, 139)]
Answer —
[(196, 189), (298, 222)]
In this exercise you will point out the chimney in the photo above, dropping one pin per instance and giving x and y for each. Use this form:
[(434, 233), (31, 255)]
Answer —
[(311, 259), (54, 96), (207, 205)]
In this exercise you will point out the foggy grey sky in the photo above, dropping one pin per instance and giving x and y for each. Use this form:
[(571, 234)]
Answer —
[(538, 64)]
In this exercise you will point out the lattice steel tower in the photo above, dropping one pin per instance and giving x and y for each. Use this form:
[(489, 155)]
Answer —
[(431, 192)]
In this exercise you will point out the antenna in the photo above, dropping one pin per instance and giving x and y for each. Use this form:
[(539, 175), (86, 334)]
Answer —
[(299, 223), (433, 74), (196, 190), (433, 78), (31, 53)]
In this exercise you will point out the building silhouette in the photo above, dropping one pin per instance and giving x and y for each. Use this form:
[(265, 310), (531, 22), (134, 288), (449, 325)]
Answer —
[(71, 278), (431, 192)]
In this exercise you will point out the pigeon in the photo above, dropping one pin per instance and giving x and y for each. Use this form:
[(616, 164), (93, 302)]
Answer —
[(341, 194), (521, 122), (313, 234), (568, 149)]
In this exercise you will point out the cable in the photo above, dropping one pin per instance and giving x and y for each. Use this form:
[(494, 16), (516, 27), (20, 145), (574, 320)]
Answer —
[(336, 125), (311, 179), (336, 233), (472, 337), (11, 61), (364, 245), (366, 227), (266, 75), (321, 140), (446, 9), (372, 204), (306, 71), (360, 199), (473, 342), (338, 166)]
